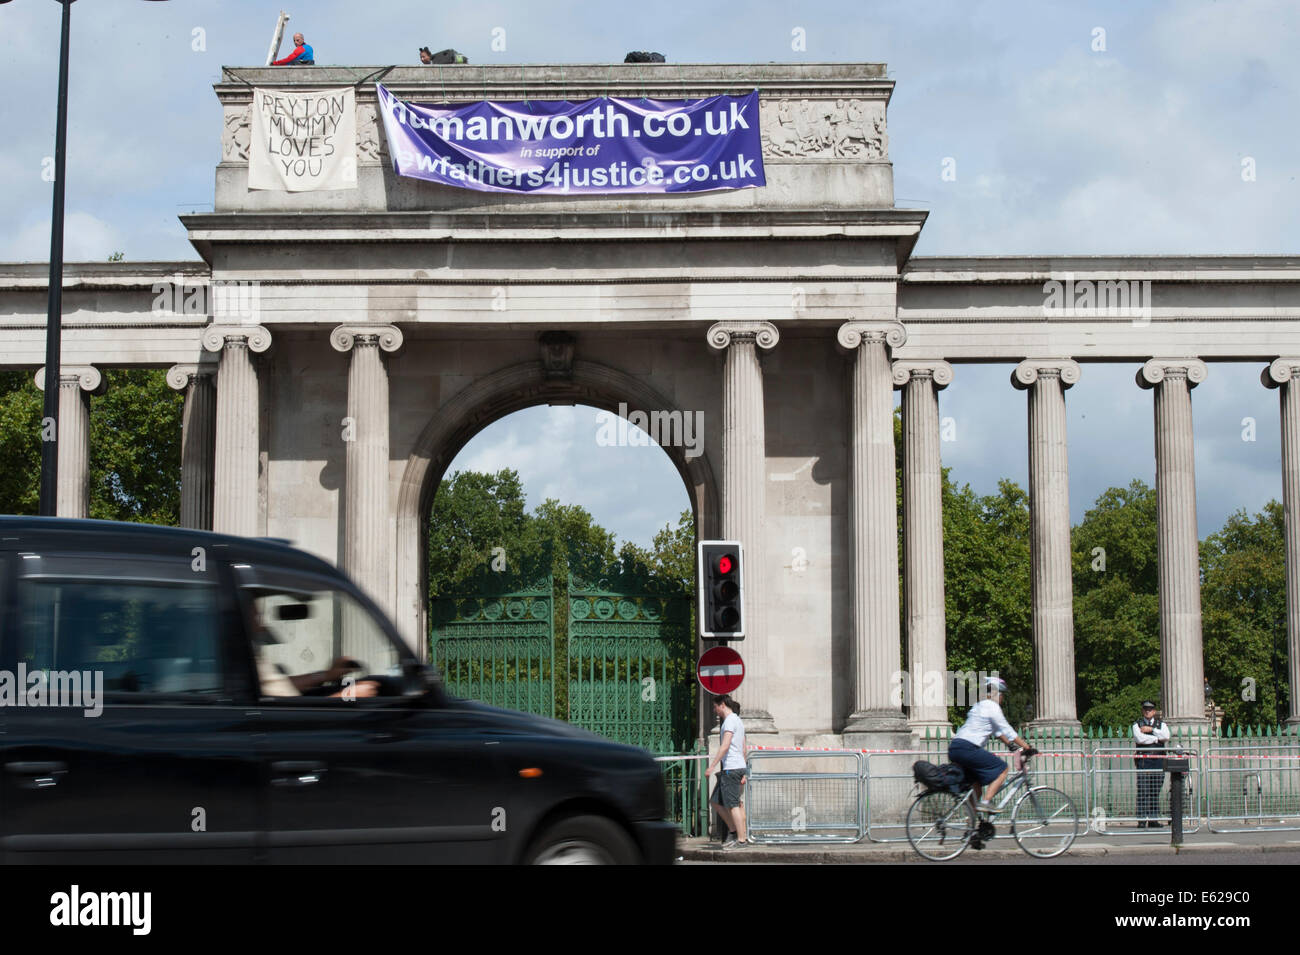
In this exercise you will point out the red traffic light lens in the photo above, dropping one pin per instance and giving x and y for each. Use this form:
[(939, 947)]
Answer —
[(724, 564)]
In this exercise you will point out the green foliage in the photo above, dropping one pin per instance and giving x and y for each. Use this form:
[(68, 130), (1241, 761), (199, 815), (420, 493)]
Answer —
[(1123, 707), (20, 443), (1243, 608), (987, 589), (673, 554), (1116, 605), (472, 514), (135, 447)]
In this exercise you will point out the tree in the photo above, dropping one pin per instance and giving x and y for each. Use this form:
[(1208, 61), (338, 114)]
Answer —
[(473, 515), (135, 446), (672, 556), (20, 443), (1243, 610), (1116, 605), (987, 588)]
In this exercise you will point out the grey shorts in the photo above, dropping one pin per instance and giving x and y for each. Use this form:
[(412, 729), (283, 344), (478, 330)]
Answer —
[(729, 788)]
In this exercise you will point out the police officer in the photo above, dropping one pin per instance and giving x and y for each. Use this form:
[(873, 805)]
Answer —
[(1150, 733)]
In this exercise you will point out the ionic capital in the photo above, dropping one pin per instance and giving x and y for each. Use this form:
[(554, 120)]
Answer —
[(1158, 369), (88, 377), (387, 337), (256, 337), (935, 369), (851, 335), (180, 376), (721, 335), (1029, 370), (1279, 371)]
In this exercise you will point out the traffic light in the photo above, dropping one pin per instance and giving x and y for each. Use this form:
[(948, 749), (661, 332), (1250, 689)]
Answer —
[(722, 591)]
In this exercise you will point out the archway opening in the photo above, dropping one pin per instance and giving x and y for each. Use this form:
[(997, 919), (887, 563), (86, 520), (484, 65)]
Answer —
[(558, 549)]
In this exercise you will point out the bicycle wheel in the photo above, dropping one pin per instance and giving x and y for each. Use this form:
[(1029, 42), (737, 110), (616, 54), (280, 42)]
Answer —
[(1044, 822), (939, 825)]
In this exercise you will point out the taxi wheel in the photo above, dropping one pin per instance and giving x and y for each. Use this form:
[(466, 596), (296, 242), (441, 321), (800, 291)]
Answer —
[(583, 840)]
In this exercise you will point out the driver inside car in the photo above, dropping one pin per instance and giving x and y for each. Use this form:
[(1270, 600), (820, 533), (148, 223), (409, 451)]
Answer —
[(276, 682)]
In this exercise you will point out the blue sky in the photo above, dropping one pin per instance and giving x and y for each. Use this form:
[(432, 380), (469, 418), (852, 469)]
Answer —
[(1059, 148)]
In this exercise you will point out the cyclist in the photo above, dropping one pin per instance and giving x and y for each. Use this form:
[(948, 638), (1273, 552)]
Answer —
[(966, 749)]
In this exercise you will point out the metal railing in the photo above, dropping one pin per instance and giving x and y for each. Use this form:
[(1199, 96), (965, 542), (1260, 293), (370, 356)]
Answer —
[(888, 792), (1235, 783), (1119, 787), (804, 796), (1254, 788), (686, 792)]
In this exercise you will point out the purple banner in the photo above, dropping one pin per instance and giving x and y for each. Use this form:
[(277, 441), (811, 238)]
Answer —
[(598, 146)]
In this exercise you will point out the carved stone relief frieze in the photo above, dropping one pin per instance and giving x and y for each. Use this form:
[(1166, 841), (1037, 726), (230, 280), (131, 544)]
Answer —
[(370, 145), (235, 135), (825, 129)]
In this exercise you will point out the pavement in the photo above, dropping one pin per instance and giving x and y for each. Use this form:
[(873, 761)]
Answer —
[(1120, 843)]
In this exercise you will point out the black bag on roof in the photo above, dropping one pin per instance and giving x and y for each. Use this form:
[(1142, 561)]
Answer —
[(637, 56), (444, 57)]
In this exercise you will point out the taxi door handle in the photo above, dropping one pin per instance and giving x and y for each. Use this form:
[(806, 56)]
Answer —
[(295, 774), (37, 775)]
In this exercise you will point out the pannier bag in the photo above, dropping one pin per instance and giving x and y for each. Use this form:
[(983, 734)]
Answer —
[(949, 776)]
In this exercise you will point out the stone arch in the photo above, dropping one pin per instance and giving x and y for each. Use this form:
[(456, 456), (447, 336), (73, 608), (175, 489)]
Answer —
[(475, 407)]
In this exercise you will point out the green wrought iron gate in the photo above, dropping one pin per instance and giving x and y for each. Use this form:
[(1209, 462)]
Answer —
[(495, 642), (620, 663), (632, 659)]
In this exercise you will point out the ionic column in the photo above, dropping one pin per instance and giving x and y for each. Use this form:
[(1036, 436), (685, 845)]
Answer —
[(198, 434), (1182, 668), (1284, 374), (366, 545), (235, 507), (744, 472), (874, 521), (1051, 584), (923, 541), (76, 384)]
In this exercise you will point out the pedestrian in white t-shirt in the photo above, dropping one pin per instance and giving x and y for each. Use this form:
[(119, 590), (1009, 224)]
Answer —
[(726, 798)]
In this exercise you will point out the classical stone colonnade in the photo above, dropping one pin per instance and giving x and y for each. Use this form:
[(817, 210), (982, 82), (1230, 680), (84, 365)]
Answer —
[(389, 323), (220, 465)]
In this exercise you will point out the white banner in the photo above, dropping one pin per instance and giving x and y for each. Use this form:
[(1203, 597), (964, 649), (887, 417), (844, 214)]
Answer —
[(303, 141)]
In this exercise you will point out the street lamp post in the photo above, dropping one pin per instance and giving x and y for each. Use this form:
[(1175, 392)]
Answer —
[(54, 315)]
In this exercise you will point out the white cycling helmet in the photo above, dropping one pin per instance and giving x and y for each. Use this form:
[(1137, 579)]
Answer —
[(995, 684)]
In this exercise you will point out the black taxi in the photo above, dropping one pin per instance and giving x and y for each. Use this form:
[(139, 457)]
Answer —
[(179, 696)]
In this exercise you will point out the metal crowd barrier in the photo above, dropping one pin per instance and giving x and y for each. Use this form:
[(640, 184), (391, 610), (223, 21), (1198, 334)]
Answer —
[(804, 796), (834, 796), (1113, 793), (888, 792), (1254, 788), (889, 788)]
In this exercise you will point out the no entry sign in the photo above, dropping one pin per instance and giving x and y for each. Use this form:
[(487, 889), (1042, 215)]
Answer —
[(720, 670)]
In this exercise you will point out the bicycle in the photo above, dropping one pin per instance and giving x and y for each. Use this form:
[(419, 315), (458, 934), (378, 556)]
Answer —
[(1044, 822)]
